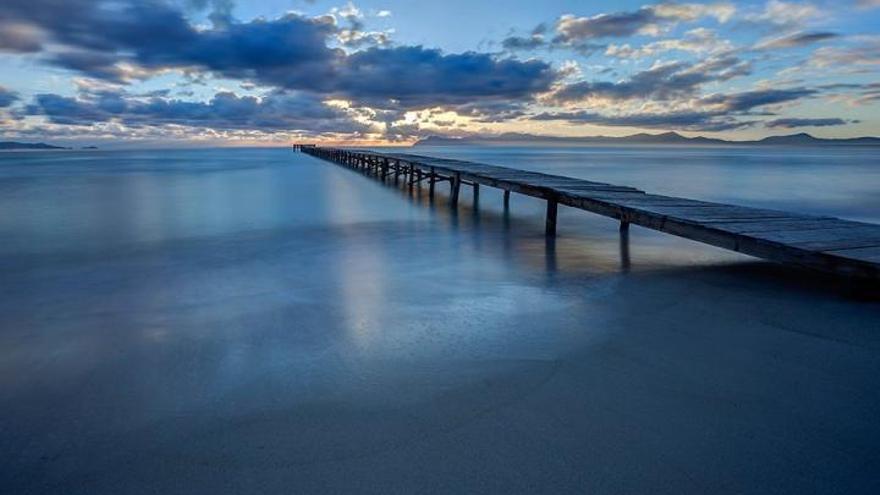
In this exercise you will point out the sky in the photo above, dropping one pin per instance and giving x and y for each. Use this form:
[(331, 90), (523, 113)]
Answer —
[(271, 72)]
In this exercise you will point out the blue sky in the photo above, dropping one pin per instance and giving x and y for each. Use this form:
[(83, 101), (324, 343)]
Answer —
[(133, 72)]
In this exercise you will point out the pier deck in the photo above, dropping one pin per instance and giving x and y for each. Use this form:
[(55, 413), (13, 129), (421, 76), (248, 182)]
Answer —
[(842, 247)]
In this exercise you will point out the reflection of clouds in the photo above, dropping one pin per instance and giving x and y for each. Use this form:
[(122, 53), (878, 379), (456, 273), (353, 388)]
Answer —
[(359, 268), (362, 276)]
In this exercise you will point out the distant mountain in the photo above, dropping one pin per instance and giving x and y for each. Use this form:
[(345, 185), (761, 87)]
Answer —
[(12, 145), (804, 139), (668, 138)]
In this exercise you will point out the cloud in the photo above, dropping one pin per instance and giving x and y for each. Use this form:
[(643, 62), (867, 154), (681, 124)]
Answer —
[(646, 20), (803, 38), (532, 42), (699, 40), (720, 112), (116, 41), (19, 38), (785, 14), (354, 35), (682, 120), (867, 4), (417, 77), (7, 97), (791, 123), (277, 112), (663, 81), (748, 100), (863, 51)]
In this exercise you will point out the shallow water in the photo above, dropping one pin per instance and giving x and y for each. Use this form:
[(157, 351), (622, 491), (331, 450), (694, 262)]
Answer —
[(256, 320)]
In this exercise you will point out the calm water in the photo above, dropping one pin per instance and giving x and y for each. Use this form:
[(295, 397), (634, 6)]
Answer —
[(254, 320)]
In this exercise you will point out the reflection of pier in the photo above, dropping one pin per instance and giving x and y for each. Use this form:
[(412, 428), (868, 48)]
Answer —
[(827, 244)]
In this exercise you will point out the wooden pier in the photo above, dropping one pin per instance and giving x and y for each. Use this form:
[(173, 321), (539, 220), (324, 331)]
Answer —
[(841, 247)]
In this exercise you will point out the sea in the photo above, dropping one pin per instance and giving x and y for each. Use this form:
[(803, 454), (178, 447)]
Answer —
[(242, 320)]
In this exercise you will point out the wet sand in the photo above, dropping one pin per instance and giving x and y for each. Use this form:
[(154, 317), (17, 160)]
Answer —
[(296, 327)]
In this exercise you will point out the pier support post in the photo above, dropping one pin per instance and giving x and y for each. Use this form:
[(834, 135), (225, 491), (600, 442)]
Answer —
[(431, 181), (624, 227), (550, 226), (455, 185), (476, 195), (506, 199)]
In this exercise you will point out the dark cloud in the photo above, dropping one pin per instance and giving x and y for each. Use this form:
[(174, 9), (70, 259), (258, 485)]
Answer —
[(417, 77), (798, 39), (534, 40), (661, 82), (7, 97), (748, 100), (796, 122), (117, 41), (514, 43), (278, 112)]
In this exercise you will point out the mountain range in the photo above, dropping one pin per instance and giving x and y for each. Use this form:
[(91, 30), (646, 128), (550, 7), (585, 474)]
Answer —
[(14, 145), (668, 138)]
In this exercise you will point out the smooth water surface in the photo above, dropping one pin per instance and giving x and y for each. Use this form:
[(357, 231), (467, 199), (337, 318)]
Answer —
[(259, 321)]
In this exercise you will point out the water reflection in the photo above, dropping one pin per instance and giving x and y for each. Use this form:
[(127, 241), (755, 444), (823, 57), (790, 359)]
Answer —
[(222, 316)]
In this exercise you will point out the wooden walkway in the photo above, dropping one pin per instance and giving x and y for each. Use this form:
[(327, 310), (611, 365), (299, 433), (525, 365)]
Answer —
[(842, 247)]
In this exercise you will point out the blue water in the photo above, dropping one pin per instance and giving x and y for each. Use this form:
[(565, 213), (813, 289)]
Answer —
[(260, 321)]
